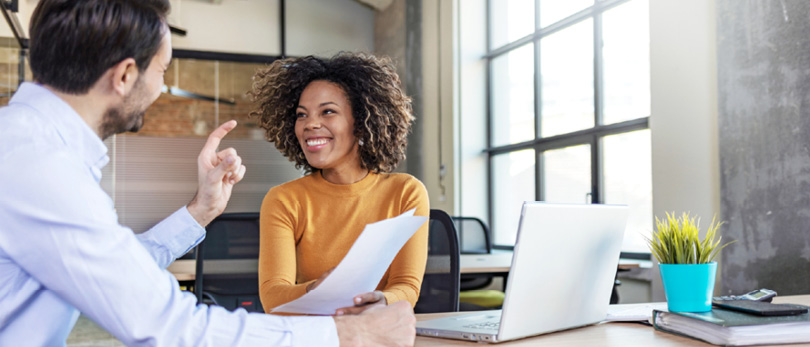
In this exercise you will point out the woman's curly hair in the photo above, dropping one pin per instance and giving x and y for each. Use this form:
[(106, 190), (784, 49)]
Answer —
[(382, 111)]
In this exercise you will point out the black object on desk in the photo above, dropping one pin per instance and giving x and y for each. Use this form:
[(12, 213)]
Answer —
[(763, 294), (761, 308)]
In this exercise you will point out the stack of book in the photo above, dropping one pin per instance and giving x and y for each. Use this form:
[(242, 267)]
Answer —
[(732, 328)]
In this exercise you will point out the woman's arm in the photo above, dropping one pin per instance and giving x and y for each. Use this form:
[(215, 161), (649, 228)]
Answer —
[(408, 268), (277, 260)]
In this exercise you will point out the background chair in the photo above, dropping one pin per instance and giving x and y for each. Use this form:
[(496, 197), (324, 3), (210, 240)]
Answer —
[(227, 263), (474, 238), (440, 285), (473, 235)]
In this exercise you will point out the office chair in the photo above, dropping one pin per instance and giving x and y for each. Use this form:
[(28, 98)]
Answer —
[(440, 285), (474, 237), (227, 263)]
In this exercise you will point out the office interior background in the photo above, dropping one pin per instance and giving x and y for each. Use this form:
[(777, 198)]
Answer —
[(665, 105)]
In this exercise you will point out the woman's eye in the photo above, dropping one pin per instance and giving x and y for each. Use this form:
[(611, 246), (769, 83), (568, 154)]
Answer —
[(300, 115), (328, 111)]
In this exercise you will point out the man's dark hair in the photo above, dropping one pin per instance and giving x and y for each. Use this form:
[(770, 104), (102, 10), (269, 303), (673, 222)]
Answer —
[(74, 42)]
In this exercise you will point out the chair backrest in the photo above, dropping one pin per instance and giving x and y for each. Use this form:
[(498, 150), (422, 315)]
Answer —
[(227, 262), (440, 285), (473, 235)]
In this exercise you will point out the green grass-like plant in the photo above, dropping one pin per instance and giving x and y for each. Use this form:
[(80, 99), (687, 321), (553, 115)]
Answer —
[(677, 241)]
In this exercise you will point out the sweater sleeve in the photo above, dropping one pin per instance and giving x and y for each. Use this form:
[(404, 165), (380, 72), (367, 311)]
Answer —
[(408, 267), (277, 256)]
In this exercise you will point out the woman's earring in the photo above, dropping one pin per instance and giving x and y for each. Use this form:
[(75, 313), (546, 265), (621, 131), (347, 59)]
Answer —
[(360, 142)]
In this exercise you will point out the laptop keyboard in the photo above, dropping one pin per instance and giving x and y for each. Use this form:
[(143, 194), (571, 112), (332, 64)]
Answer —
[(485, 326)]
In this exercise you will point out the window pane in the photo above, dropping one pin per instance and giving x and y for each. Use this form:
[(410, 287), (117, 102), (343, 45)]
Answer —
[(566, 60), (626, 55), (512, 184), (513, 97), (567, 175), (552, 11), (510, 20), (628, 180)]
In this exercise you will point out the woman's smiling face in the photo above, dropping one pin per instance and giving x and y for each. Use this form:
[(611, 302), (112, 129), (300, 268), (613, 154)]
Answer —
[(325, 127)]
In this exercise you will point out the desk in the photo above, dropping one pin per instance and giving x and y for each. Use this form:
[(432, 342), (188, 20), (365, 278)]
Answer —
[(184, 269), (603, 334), (499, 263), (495, 263)]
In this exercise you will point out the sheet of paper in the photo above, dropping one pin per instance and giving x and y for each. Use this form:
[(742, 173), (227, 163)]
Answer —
[(633, 312), (361, 269)]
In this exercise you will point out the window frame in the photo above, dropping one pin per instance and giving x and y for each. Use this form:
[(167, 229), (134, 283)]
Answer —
[(591, 136)]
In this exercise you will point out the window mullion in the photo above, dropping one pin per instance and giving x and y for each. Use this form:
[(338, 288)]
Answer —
[(597, 179), (488, 104), (597, 176), (538, 109), (598, 70), (539, 165)]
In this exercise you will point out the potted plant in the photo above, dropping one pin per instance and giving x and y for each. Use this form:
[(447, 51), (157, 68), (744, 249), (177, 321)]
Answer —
[(686, 262)]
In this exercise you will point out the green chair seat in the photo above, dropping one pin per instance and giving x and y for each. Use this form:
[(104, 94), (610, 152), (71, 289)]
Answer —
[(484, 298)]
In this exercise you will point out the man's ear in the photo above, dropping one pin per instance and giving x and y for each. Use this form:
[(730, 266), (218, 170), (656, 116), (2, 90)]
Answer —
[(123, 76)]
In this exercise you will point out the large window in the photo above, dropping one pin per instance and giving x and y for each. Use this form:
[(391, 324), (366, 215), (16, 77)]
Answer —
[(569, 104)]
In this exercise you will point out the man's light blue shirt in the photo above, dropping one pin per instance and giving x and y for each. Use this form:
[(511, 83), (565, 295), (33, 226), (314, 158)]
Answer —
[(62, 250)]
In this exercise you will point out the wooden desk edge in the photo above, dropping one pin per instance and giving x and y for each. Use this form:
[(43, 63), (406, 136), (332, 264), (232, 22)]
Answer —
[(604, 333)]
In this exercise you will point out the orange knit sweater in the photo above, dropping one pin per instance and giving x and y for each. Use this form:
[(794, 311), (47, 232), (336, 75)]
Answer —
[(308, 226)]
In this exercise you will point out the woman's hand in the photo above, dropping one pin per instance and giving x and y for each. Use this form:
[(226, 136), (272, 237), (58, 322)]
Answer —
[(363, 302), (317, 282)]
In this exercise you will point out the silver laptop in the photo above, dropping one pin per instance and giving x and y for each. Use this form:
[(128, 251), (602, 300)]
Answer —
[(562, 274)]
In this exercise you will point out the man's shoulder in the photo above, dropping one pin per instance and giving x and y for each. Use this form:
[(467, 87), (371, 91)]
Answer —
[(25, 131), (29, 142), (20, 114)]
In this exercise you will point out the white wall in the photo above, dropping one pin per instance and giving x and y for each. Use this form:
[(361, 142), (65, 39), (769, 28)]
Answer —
[(438, 45), (471, 112), (233, 26), (320, 27), (683, 83), (325, 27)]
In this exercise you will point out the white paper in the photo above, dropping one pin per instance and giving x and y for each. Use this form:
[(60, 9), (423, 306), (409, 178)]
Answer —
[(361, 269), (634, 312)]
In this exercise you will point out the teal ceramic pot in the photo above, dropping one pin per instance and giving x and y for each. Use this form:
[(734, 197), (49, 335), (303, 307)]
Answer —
[(688, 287)]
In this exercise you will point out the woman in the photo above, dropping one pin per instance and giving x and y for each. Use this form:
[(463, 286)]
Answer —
[(345, 121)]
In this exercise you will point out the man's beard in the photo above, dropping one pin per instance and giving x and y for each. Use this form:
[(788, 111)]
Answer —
[(117, 120), (126, 117)]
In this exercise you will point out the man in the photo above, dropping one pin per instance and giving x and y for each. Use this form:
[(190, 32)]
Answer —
[(98, 65)]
